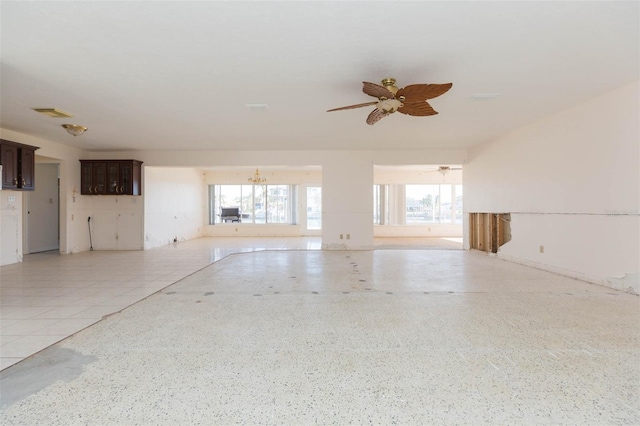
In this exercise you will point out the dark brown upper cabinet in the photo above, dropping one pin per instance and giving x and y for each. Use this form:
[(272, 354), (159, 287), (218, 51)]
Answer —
[(18, 165), (110, 177)]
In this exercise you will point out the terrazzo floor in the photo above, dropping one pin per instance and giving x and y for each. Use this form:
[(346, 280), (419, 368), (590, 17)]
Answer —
[(49, 296), (323, 337)]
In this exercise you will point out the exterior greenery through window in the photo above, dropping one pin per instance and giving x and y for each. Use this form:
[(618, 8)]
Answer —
[(439, 203), (262, 204), (434, 203)]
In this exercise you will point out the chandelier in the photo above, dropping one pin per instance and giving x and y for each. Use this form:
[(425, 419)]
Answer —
[(256, 178)]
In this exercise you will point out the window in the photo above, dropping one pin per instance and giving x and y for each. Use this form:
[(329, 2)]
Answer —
[(257, 203), (380, 204), (423, 204), (314, 207)]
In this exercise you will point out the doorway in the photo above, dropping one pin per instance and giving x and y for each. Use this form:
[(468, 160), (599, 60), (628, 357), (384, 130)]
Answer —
[(41, 230)]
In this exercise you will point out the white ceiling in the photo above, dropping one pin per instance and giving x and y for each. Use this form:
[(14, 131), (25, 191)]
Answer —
[(177, 75)]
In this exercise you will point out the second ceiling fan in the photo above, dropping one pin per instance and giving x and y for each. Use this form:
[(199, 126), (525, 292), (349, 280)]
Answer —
[(410, 100)]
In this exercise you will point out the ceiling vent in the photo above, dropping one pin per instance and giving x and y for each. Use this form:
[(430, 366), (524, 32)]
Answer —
[(53, 112)]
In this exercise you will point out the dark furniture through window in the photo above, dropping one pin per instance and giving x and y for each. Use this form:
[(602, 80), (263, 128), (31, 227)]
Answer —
[(230, 214)]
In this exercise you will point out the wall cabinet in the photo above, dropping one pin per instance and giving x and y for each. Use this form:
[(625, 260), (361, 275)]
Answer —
[(110, 177), (18, 165)]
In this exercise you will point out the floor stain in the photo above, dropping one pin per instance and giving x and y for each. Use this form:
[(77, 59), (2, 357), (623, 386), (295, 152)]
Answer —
[(43, 369)]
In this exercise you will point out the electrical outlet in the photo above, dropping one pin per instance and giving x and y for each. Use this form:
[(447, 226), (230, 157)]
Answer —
[(348, 236), (541, 249), (341, 236)]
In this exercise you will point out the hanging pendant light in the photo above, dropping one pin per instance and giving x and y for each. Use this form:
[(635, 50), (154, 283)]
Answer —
[(256, 178)]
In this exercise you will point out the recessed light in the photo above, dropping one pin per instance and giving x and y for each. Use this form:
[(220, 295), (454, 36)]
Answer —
[(257, 107), (53, 112), (485, 96)]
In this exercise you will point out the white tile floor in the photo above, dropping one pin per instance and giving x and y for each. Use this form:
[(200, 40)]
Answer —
[(49, 297), (316, 337)]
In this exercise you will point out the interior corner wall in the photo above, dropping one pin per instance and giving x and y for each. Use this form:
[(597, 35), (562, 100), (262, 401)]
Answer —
[(572, 185), (10, 227), (174, 205)]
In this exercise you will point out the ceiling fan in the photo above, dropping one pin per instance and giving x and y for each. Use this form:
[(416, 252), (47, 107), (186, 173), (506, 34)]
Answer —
[(410, 100), (445, 169)]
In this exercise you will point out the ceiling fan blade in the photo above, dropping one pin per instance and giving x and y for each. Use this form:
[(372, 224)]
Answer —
[(415, 92), (420, 109), (375, 116), (354, 106), (376, 91)]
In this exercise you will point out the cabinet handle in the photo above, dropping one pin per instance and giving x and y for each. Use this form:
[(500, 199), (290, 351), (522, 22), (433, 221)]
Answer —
[(117, 190), (24, 183), (122, 189), (15, 181), (90, 190)]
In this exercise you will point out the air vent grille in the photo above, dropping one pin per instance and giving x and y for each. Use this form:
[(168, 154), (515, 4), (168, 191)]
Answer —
[(53, 112)]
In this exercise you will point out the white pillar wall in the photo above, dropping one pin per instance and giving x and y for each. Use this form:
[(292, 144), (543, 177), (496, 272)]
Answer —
[(347, 203)]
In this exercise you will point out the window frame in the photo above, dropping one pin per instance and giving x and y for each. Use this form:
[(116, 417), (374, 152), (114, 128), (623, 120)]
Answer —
[(279, 209)]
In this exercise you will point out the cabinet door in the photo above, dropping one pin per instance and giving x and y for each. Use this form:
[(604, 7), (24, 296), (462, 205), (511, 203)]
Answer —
[(113, 179), (126, 178), (27, 167), (9, 158), (86, 179), (100, 178)]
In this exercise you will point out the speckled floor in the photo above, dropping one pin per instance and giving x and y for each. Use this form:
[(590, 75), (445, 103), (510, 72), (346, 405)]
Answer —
[(316, 337), (49, 296)]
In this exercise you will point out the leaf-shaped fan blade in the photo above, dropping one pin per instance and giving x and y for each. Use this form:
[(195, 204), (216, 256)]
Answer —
[(420, 108), (375, 116), (376, 91), (354, 106), (422, 92)]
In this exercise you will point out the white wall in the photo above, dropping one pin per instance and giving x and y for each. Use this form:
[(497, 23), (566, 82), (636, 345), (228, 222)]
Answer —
[(347, 203), (117, 221), (67, 157), (347, 181), (175, 205), (571, 183), (10, 227)]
